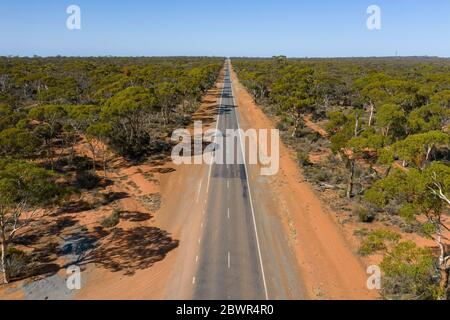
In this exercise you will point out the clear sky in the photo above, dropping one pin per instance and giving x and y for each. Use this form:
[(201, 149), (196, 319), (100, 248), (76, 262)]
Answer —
[(314, 28)]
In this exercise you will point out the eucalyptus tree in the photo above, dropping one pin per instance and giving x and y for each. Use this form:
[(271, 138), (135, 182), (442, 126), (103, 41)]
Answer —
[(24, 188)]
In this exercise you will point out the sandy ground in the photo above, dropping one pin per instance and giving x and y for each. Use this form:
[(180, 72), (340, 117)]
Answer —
[(315, 127), (324, 256), (325, 250), (141, 255), (327, 261), (178, 216), (134, 281)]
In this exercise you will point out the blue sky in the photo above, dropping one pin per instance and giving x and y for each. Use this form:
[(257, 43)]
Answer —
[(314, 28)]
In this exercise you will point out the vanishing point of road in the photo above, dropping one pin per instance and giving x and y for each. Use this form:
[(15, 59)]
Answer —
[(242, 254)]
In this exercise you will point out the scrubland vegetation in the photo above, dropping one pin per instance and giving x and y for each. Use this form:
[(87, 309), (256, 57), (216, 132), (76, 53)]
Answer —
[(123, 107), (375, 132), (371, 134)]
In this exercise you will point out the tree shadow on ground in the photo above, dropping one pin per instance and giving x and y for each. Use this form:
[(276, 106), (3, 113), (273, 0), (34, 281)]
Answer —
[(81, 205), (76, 206), (117, 250), (132, 250), (160, 160), (207, 115), (135, 216), (44, 261), (162, 170), (50, 228)]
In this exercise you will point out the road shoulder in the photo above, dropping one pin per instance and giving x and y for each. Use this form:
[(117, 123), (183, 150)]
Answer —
[(328, 264)]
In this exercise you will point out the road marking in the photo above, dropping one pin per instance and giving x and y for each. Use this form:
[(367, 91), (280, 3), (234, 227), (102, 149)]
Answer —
[(250, 195), (199, 189), (199, 240), (228, 213), (217, 128), (196, 259), (229, 260), (193, 280), (228, 184)]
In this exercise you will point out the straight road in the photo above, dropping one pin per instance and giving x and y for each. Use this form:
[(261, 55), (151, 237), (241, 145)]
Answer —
[(230, 263), (243, 252)]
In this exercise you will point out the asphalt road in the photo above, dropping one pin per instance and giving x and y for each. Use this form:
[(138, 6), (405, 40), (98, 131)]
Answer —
[(235, 262), (230, 265)]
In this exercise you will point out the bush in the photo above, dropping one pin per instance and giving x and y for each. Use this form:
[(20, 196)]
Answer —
[(313, 137), (16, 261), (281, 126), (87, 180), (303, 159), (303, 132), (376, 241), (112, 220), (318, 174), (365, 214), (409, 273)]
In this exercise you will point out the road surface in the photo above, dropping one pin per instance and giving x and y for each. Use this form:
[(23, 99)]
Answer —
[(243, 252)]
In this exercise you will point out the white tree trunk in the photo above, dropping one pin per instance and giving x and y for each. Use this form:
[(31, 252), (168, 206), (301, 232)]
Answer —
[(372, 110), (3, 262)]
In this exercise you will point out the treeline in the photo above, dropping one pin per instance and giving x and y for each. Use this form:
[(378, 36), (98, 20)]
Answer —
[(127, 103), (387, 123), (49, 106)]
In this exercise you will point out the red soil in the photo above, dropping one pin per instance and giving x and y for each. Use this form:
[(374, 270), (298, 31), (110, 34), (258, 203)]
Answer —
[(329, 265)]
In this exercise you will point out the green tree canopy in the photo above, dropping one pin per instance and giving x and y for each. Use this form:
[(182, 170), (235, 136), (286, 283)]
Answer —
[(391, 119), (417, 149), (130, 100), (24, 182), (18, 143)]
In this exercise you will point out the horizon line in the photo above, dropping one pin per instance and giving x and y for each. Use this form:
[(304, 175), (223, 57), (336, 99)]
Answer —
[(226, 57)]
